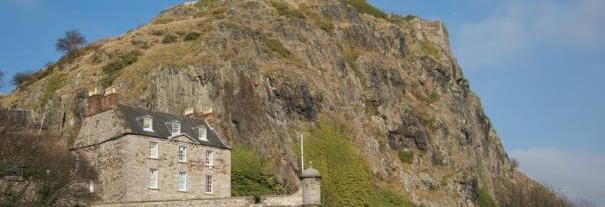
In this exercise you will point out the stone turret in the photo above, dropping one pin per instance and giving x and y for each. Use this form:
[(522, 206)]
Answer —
[(311, 187)]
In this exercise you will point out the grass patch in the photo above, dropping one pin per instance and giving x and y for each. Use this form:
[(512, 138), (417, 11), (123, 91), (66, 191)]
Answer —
[(429, 49), (485, 199), (191, 36), (283, 9), (317, 20), (169, 38), (250, 174), (386, 198), (113, 68), (162, 20), (276, 46), (350, 57), (54, 83), (362, 6), (406, 156), (346, 179)]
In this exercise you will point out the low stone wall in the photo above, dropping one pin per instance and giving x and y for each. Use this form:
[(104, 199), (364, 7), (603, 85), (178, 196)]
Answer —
[(217, 202), (283, 201)]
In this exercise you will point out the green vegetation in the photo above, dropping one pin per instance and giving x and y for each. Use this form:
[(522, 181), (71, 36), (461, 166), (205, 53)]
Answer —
[(113, 68), (169, 38), (191, 36), (351, 56), (346, 179), (317, 20), (406, 156), (429, 49), (276, 46), (283, 9), (386, 198), (162, 20), (364, 7), (250, 174), (55, 83), (485, 199)]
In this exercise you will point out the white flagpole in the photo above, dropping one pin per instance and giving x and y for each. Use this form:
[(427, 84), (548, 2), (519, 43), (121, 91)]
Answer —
[(302, 154)]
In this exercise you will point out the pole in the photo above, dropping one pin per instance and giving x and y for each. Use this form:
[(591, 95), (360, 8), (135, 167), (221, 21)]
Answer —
[(302, 154)]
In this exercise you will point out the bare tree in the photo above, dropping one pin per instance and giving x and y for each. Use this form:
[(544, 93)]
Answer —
[(2, 83), (52, 175), (72, 41), (21, 77)]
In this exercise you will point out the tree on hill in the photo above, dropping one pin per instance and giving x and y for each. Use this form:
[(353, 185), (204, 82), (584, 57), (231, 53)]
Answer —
[(72, 41), (21, 77), (2, 83)]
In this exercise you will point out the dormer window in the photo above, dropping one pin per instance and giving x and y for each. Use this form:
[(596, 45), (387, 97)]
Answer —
[(203, 135), (148, 124), (175, 128)]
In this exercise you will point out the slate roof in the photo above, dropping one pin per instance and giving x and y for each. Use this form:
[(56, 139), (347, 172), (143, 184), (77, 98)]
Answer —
[(133, 118)]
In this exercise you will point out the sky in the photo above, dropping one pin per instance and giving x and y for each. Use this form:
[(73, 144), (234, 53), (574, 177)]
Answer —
[(537, 65)]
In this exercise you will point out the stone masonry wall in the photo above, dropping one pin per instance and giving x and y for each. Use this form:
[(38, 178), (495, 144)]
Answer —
[(139, 163), (109, 161), (98, 128), (218, 202)]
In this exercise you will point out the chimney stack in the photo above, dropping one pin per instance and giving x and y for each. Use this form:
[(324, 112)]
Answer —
[(208, 115), (99, 101), (93, 103)]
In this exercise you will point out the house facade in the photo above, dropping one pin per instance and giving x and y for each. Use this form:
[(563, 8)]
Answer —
[(142, 155)]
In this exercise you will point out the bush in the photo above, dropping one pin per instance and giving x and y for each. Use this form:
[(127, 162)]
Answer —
[(276, 46), (283, 9), (362, 6), (406, 156), (191, 36), (251, 176), (112, 69), (429, 49), (21, 78), (169, 38), (54, 83), (484, 199), (72, 41)]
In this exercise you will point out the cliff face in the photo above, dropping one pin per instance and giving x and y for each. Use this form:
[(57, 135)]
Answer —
[(270, 69)]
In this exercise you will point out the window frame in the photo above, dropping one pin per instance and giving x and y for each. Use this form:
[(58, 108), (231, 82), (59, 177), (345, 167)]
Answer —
[(150, 121), (153, 182), (209, 158), (154, 150), (182, 181), (209, 186), (175, 128), (182, 157), (202, 133)]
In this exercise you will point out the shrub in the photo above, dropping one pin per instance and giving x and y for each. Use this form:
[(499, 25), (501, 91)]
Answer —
[(251, 176), (387, 198), (162, 20), (283, 9), (169, 38), (54, 83), (112, 69), (317, 20), (429, 49), (484, 199), (406, 156), (21, 78), (276, 46), (191, 36), (362, 6)]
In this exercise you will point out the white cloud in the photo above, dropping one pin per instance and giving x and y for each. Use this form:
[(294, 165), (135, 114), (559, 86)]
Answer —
[(577, 174), (516, 27)]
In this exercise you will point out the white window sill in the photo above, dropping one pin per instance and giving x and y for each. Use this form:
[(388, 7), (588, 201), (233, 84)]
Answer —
[(182, 191), (155, 189), (209, 193)]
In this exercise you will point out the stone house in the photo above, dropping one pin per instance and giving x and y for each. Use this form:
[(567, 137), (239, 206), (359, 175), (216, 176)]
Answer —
[(142, 155), (147, 158)]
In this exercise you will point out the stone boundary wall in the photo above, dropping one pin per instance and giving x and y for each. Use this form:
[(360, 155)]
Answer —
[(293, 200), (218, 202)]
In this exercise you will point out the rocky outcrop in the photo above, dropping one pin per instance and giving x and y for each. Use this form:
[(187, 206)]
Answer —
[(269, 69)]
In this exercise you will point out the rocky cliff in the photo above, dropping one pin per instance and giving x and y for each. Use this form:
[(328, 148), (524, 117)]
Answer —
[(388, 85)]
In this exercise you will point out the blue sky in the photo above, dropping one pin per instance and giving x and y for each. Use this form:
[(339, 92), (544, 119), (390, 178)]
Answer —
[(538, 66)]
